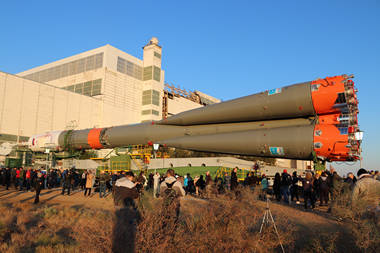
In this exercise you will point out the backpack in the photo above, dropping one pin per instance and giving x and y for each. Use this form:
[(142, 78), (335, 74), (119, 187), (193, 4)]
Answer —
[(169, 194), (307, 186), (286, 180)]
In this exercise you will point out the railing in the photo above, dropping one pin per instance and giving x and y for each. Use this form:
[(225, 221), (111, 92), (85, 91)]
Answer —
[(241, 172)]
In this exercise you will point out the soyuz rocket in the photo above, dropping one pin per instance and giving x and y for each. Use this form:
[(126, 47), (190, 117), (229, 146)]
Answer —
[(300, 121)]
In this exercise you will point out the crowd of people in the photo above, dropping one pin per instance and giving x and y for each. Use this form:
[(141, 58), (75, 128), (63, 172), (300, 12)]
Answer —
[(322, 187)]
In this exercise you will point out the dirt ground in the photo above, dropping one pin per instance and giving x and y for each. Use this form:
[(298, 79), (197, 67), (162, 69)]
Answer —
[(305, 225), (53, 196), (295, 213)]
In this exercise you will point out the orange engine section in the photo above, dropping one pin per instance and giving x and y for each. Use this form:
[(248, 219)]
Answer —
[(328, 94), (93, 138), (335, 141)]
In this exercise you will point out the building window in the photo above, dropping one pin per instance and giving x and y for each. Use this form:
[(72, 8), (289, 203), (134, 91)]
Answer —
[(90, 63), (157, 74), (155, 97), (129, 68), (96, 87), (79, 88), (158, 55), (87, 88), (151, 97), (154, 112), (148, 73), (146, 112), (70, 88), (150, 112), (90, 88), (68, 69)]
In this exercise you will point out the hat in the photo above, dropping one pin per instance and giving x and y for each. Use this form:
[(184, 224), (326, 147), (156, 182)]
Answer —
[(361, 172), (285, 171)]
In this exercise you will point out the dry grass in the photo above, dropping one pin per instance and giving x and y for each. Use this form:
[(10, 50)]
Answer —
[(228, 223), (26, 228), (361, 217), (223, 224)]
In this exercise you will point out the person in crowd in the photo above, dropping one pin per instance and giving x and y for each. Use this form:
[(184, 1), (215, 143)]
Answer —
[(171, 190), (114, 178), (196, 178), (323, 189), (377, 175), (366, 188), (7, 178), (185, 183), (127, 215), (28, 178), (13, 177), (252, 180), (246, 180), (294, 190), (125, 191), (179, 179), (209, 184), (66, 182), (103, 179), (220, 186), (38, 186), (264, 186), (141, 179), (20, 178), (227, 181), (234, 179), (208, 178), (277, 186), (150, 181), (83, 181), (308, 190), (2, 176), (286, 181), (156, 184), (190, 184), (316, 187), (89, 183), (350, 181), (200, 184), (334, 183), (170, 179)]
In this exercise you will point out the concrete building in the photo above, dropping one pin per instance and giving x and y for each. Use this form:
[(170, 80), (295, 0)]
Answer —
[(99, 88)]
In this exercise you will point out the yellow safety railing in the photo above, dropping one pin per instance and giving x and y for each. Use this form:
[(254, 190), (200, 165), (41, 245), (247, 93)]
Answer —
[(241, 172), (120, 165), (114, 170)]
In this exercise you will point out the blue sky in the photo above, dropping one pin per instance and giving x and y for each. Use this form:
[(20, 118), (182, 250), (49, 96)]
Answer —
[(227, 49)]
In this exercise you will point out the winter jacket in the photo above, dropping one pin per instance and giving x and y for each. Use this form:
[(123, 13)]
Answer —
[(367, 187), (156, 181), (286, 180), (185, 181), (323, 183), (89, 180), (177, 186), (307, 185), (264, 183), (234, 180)]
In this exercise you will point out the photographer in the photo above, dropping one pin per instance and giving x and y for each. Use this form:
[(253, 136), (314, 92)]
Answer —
[(125, 191)]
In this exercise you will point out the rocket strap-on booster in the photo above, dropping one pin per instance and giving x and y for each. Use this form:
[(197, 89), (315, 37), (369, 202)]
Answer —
[(300, 121)]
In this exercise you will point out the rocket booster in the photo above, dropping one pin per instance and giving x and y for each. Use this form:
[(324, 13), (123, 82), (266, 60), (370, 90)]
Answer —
[(300, 121), (319, 97)]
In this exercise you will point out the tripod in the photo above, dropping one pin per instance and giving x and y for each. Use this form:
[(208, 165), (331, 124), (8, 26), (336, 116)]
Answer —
[(269, 218)]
